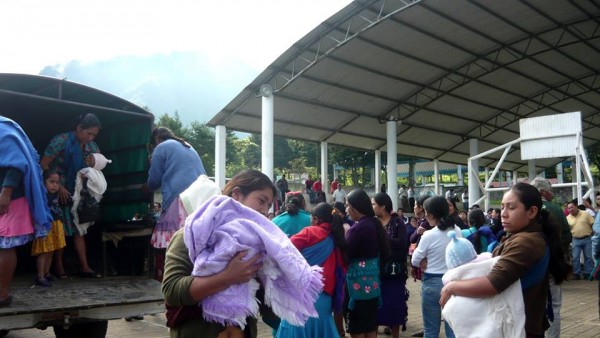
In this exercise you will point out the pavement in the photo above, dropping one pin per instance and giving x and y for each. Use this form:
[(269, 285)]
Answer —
[(580, 317)]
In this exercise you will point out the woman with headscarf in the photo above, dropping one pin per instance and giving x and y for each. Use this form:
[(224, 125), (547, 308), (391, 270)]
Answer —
[(174, 166), (367, 242), (66, 154), (24, 212)]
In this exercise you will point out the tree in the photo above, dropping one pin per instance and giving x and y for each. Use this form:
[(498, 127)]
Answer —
[(250, 155), (202, 138), (198, 135), (593, 152), (174, 123)]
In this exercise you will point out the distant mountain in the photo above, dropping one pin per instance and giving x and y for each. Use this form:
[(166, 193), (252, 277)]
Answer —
[(194, 85)]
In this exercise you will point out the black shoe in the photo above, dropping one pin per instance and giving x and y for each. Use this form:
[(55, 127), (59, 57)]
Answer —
[(586, 276), (134, 318), (6, 301), (418, 334), (576, 277)]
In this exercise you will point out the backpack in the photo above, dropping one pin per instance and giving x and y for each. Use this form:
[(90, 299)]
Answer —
[(88, 209), (485, 233)]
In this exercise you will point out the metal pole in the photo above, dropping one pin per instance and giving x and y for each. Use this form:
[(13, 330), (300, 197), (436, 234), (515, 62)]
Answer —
[(266, 91), (392, 160), (378, 171), (324, 163), (220, 151)]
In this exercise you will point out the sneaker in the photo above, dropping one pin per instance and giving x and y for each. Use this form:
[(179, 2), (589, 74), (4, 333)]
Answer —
[(43, 281), (576, 277), (586, 276), (418, 334)]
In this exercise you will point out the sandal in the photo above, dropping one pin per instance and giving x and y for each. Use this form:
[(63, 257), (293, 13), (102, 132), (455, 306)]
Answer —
[(42, 281), (90, 274), (50, 277), (6, 301), (60, 275)]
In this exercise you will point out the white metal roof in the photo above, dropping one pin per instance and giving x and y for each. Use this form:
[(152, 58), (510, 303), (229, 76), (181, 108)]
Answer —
[(448, 70)]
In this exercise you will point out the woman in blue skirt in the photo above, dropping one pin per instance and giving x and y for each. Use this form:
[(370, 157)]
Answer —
[(322, 243)]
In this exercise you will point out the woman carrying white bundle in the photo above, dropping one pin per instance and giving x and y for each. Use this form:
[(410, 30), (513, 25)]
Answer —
[(502, 315)]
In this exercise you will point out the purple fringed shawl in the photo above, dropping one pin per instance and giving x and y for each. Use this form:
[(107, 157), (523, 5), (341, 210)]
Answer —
[(222, 227)]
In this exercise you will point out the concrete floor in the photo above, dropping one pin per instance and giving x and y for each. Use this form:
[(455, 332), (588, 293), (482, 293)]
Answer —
[(580, 318)]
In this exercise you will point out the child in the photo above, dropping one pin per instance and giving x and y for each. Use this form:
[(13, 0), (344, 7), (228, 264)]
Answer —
[(502, 315), (90, 184), (44, 247)]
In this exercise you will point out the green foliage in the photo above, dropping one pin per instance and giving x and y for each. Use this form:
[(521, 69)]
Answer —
[(357, 165), (174, 123), (198, 135), (593, 153), (202, 138), (249, 156)]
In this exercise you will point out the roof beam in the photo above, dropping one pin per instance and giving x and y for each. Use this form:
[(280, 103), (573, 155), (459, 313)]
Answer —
[(320, 128)]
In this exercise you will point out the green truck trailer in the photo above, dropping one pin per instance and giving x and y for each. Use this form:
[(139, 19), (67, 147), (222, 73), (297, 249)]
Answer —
[(117, 246)]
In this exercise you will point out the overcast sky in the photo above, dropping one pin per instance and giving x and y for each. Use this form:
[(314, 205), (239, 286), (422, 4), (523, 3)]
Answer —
[(38, 33)]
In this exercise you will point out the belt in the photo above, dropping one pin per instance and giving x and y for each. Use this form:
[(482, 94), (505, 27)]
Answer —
[(582, 237)]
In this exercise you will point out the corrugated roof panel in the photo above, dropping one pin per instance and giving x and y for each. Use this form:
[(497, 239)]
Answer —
[(447, 62)]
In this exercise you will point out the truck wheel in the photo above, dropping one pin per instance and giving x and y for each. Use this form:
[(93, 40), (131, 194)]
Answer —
[(87, 330), (3, 333)]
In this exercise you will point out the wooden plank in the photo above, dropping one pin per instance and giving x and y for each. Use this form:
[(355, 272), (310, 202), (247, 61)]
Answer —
[(81, 293)]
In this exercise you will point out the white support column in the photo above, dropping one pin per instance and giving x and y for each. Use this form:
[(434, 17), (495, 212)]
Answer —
[(531, 169), (576, 178), (220, 151), (324, 168), (515, 177), (378, 172), (473, 172), (559, 173), (392, 160), (266, 91), (436, 177), (460, 175)]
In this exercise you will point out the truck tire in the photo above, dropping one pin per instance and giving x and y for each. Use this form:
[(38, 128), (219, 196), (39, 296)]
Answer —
[(87, 330)]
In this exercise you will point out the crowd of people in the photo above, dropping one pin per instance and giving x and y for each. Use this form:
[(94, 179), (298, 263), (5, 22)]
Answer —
[(365, 251), (334, 269)]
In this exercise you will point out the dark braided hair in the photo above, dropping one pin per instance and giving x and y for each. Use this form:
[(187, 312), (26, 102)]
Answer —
[(294, 203), (477, 220), (164, 133), (530, 197), (437, 206), (359, 200), (325, 214)]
